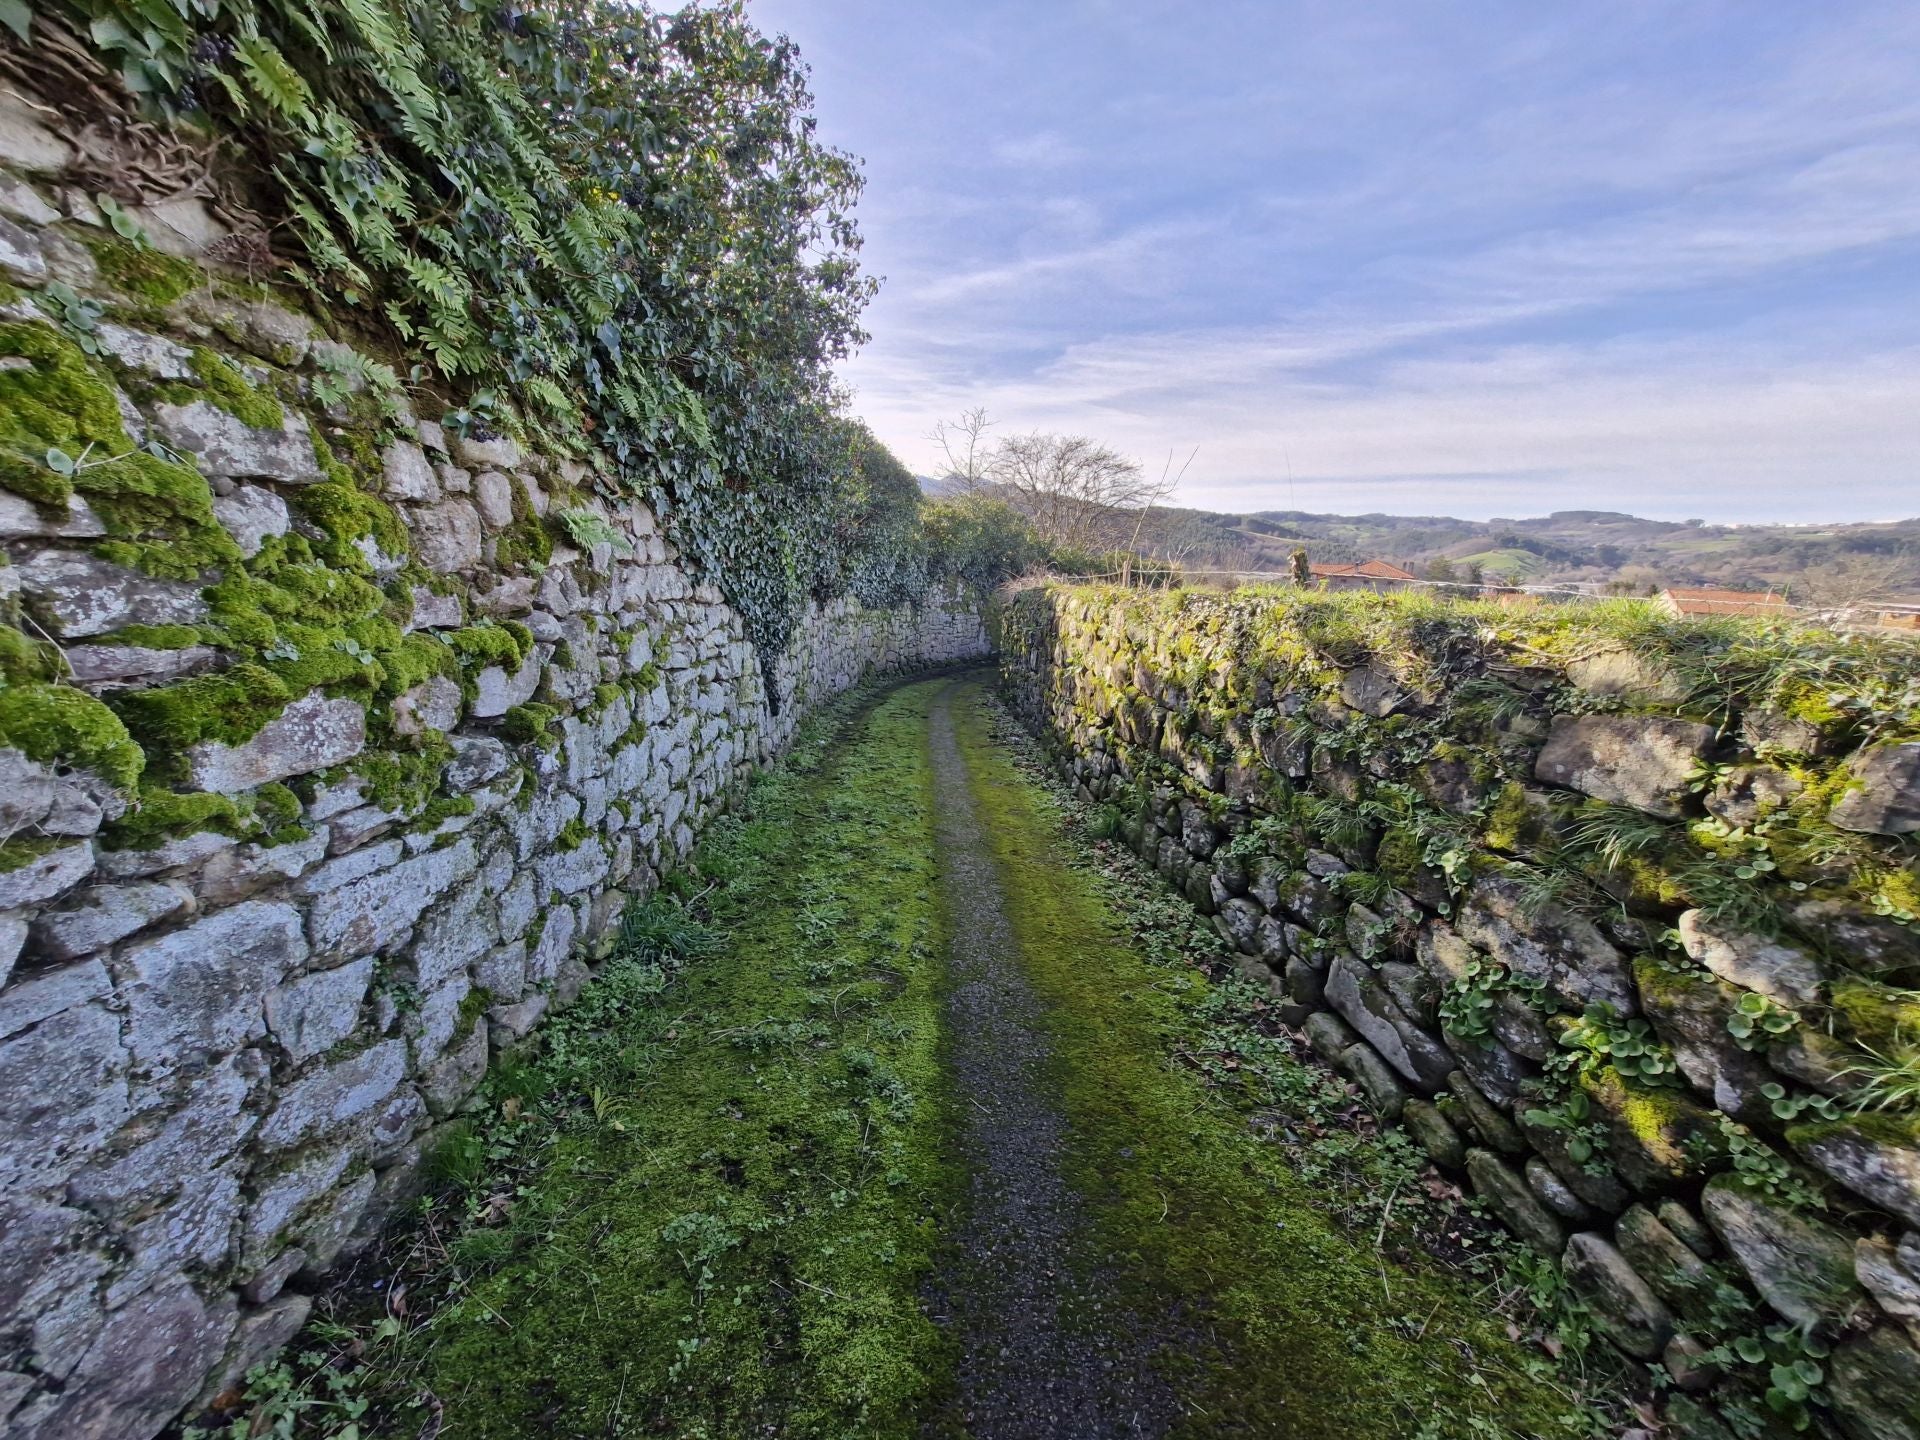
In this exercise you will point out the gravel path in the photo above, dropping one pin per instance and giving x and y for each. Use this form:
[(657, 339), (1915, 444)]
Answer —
[(1046, 1347)]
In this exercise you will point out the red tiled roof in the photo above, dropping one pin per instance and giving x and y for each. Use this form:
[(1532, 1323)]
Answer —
[(1365, 570), (1706, 600)]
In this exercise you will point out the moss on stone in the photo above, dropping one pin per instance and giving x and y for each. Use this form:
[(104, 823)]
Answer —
[(22, 850), (154, 637), (24, 660), (572, 835), (486, 644), (229, 707), (160, 815), (231, 391), (404, 781), (140, 271), (528, 723), (1874, 1015), (348, 516), (61, 726)]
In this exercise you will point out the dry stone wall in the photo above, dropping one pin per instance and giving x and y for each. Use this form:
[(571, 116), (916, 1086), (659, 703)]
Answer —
[(332, 745), (1614, 915)]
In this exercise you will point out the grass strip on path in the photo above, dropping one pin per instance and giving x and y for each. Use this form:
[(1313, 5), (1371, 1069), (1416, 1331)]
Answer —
[(1304, 1326), (705, 1209)]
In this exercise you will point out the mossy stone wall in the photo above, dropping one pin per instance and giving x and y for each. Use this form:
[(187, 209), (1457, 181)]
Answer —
[(332, 746), (1615, 913)]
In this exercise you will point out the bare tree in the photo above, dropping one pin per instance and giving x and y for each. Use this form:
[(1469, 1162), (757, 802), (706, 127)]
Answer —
[(1072, 489), (1852, 590), (964, 443)]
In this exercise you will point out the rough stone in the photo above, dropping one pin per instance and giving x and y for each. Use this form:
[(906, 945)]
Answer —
[(96, 917), (477, 760), (453, 1077), (1668, 1265), (496, 692), (1874, 1386), (1328, 1036), (1690, 1012), (493, 494), (1628, 676), (174, 855), (435, 612), (405, 473), (336, 1097), (29, 135), (257, 1338), (148, 1361), (1553, 1192), (1872, 1156), (199, 992), (1434, 1133), (1372, 691), (1624, 1308), (21, 258), (1782, 972), (1642, 761), (312, 1014), (1483, 1117), (223, 444), (1364, 1003), (45, 877), (1507, 1195), (21, 519), (371, 913), (253, 515), (76, 595), (1801, 1266), (311, 733), (1748, 793), (233, 874), (1592, 1180), (1886, 800), (1891, 1275), (109, 667), (434, 704), (1547, 943), (1385, 1094), (496, 453), (447, 537)]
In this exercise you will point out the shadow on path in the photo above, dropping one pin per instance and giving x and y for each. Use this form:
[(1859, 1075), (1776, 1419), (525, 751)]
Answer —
[(1045, 1346)]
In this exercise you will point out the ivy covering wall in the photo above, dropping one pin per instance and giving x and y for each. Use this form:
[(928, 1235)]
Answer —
[(598, 229)]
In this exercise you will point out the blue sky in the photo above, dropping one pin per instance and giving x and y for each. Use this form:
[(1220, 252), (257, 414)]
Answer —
[(1476, 259)]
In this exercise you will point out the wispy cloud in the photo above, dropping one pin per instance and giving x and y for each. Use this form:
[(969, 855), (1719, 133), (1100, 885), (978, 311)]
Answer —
[(1492, 260)]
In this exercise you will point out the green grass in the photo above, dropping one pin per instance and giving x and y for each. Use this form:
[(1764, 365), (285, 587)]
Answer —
[(1275, 1256), (730, 1199)]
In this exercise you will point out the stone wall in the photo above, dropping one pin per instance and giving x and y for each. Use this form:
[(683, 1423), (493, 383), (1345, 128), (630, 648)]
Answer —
[(332, 745), (1605, 910)]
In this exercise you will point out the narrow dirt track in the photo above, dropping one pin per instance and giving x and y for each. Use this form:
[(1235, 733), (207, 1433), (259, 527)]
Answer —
[(1045, 1347)]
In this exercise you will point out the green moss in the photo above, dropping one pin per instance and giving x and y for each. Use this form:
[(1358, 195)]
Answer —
[(525, 723), (348, 515), (404, 781), (139, 270), (479, 646), (229, 707), (232, 392), (415, 659), (572, 835), (22, 850), (160, 815), (153, 637), (1878, 1126), (1876, 1016), (58, 725), (23, 660), (1510, 819)]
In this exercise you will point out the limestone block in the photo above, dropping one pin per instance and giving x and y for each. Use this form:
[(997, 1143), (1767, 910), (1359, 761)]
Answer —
[(21, 519), (1554, 1193), (94, 918), (175, 855), (1886, 800), (1546, 943), (1624, 1307), (493, 494), (252, 514), (29, 135), (337, 1097), (233, 874), (223, 444), (1780, 971), (1642, 761), (434, 704), (1749, 792), (433, 611), (496, 692), (1354, 991), (450, 1079), (76, 595), (119, 667), (1874, 1386), (200, 992), (1801, 1266), (496, 452), (371, 913), (45, 877), (312, 1014), (311, 733), (1874, 1156), (64, 1091), (1507, 1195), (405, 473), (148, 1361), (21, 258)]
